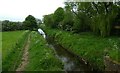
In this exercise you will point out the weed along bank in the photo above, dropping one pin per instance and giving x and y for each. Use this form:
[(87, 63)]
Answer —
[(62, 36), (86, 51)]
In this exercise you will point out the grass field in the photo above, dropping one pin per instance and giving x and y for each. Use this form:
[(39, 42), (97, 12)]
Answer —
[(89, 46), (0, 42), (41, 57), (0, 51), (12, 43), (9, 41)]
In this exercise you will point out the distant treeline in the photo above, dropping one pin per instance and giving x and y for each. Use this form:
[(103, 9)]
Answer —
[(101, 18), (10, 26), (30, 23)]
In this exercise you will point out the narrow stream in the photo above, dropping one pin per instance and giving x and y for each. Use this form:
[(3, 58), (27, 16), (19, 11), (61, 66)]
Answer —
[(71, 61)]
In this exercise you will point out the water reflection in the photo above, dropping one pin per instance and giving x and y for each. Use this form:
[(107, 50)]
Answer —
[(71, 61)]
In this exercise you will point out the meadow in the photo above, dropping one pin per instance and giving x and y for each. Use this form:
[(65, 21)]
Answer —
[(9, 40), (1, 42), (12, 43), (91, 47)]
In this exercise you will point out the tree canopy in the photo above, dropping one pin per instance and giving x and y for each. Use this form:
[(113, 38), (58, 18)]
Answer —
[(58, 16), (11, 26), (30, 23), (98, 17)]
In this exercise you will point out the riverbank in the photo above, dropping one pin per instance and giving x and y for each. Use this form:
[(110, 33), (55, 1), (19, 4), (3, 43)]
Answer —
[(41, 57), (89, 46)]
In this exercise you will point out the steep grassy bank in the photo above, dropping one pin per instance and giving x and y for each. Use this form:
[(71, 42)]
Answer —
[(12, 47), (41, 57), (89, 46)]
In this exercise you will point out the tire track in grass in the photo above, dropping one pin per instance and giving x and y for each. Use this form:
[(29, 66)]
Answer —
[(24, 62)]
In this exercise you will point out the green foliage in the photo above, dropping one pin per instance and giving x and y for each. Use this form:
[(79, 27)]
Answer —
[(49, 21), (88, 46), (12, 47), (99, 16), (30, 23), (58, 16), (41, 57), (11, 26), (81, 23), (67, 22), (94, 25), (102, 23)]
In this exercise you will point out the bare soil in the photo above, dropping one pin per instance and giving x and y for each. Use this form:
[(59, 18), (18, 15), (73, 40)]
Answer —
[(111, 65), (24, 62)]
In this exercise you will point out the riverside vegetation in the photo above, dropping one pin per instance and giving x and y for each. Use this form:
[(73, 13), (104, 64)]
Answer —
[(88, 29), (40, 58), (89, 46)]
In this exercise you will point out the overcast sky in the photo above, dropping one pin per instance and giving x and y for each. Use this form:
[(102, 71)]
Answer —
[(17, 10)]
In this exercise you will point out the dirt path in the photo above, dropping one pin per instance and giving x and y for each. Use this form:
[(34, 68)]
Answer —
[(24, 62)]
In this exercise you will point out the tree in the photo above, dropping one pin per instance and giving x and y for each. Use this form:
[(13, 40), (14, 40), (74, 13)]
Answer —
[(11, 26), (58, 16), (99, 16), (30, 23), (49, 21), (67, 22), (82, 23), (106, 12), (81, 14), (5, 25)]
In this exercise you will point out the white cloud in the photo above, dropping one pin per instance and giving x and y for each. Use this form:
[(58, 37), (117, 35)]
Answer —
[(19, 9)]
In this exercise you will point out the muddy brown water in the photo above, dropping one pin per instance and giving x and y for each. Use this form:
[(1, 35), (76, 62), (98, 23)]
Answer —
[(71, 61)]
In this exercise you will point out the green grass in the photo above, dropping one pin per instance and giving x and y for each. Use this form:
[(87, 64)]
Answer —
[(9, 41), (12, 46), (0, 51), (41, 57), (0, 42), (89, 46)]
